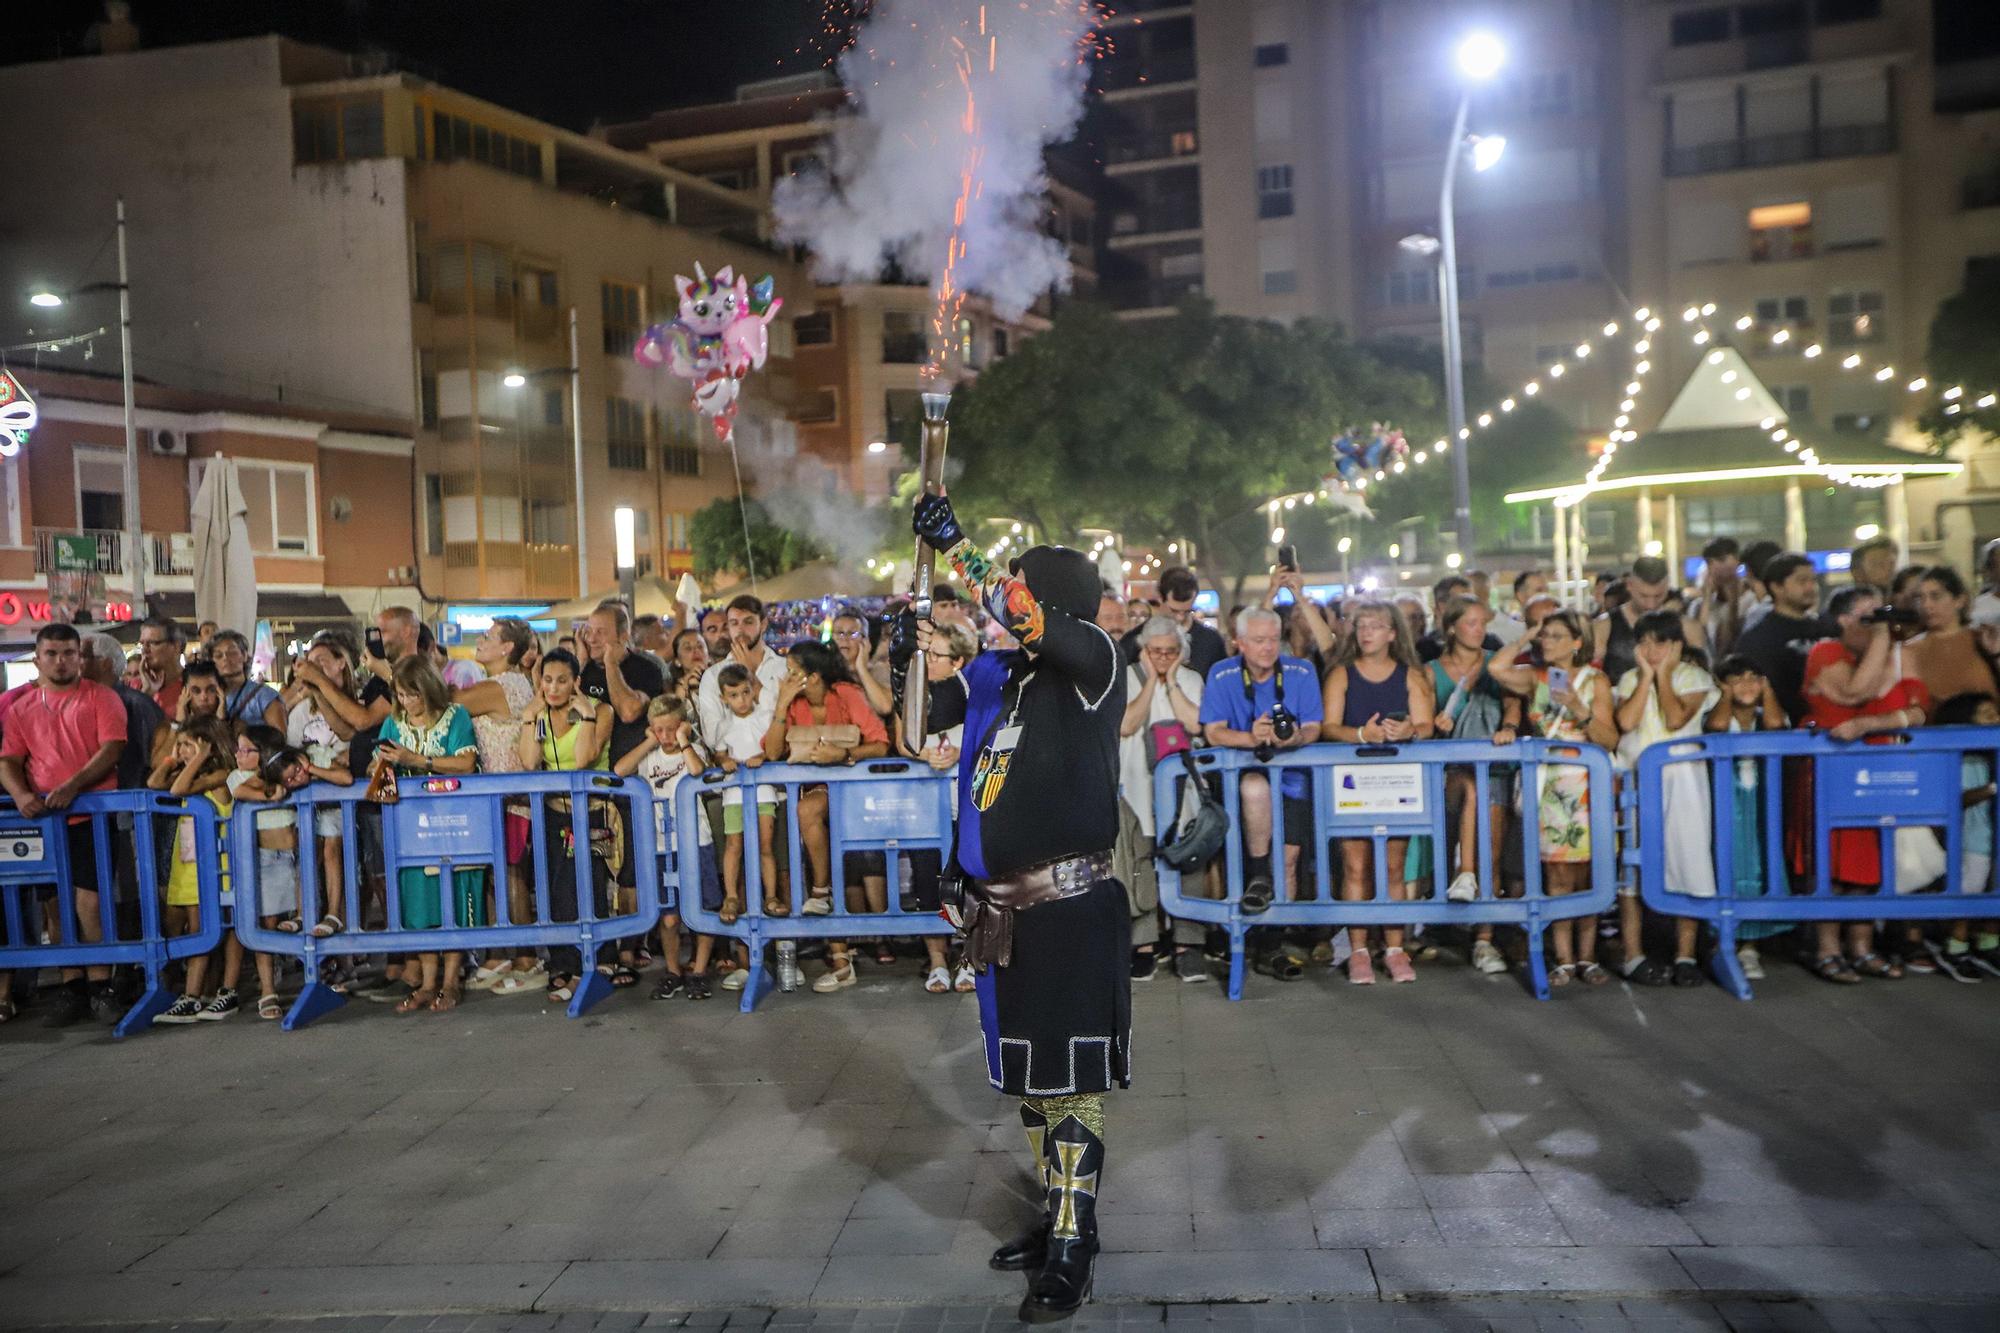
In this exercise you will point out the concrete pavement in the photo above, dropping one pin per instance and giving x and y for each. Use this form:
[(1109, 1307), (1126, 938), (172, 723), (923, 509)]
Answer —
[(1451, 1140)]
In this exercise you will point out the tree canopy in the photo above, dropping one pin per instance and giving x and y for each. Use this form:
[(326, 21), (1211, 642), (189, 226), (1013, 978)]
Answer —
[(1965, 350), (715, 532)]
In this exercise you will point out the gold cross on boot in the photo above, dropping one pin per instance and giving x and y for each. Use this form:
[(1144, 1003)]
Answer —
[(1067, 1182)]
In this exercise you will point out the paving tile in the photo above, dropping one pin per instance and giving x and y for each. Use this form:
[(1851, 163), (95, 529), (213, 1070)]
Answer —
[(1237, 1275), (1366, 1228), (1856, 1271), (681, 1283), (1421, 1272), (1536, 1225)]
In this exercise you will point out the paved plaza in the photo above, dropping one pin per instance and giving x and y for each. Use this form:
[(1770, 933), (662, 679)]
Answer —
[(1822, 1157)]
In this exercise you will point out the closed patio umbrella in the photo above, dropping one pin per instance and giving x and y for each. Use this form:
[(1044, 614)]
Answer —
[(225, 571)]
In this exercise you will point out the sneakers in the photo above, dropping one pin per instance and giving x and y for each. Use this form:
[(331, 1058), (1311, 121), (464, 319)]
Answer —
[(106, 1004), (1752, 964), (1145, 964), (1986, 960), (818, 903), (1464, 889), (1398, 964), (68, 1004), (222, 1006), (1360, 971), (1189, 965), (1487, 959), (184, 1010), (736, 980), (1957, 967)]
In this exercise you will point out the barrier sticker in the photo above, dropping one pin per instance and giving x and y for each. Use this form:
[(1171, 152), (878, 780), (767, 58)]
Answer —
[(1378, 789), (1882, 783), (889, 811), (457, 832), (19, 845)]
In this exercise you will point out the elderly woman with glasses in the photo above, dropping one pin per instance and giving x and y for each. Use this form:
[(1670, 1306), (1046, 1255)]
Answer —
[(1164, 706)]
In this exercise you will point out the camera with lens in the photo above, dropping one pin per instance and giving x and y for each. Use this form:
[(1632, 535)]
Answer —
[(1283, 725), (1887, 614)]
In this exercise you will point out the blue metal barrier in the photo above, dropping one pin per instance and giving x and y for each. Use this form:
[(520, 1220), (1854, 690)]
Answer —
[(1912, 782), (1385, 792), (889, 806), (450, 825), (35, 860)]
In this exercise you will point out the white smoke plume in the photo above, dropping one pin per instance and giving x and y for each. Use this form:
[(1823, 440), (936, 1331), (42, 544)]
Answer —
[(894, 167)]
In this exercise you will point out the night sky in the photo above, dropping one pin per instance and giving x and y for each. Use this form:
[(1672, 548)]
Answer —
[(565, 61)]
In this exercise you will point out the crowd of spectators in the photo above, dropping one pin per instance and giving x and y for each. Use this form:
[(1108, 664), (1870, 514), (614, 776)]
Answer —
[(1749, 646)]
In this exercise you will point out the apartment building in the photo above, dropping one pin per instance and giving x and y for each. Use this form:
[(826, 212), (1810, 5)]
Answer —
[(1820, 170), (860, 346), (308, 228), (329, 496)]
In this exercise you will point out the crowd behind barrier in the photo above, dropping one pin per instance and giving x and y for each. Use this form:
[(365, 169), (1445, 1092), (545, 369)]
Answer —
[(1518, 742), (1386, 798)]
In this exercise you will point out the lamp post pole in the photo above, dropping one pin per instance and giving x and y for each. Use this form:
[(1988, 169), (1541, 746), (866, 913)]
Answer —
[(135, 560), (576, 446), (1454, 351)]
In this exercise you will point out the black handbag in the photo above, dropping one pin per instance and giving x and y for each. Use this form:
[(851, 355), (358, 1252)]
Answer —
[(1198, 842)]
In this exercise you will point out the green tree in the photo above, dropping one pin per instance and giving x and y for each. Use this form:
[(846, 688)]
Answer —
[(716, 534), (1965, 351), (1175, 427)]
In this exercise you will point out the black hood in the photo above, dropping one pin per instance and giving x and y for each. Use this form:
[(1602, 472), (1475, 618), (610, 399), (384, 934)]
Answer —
[(1062, 579)]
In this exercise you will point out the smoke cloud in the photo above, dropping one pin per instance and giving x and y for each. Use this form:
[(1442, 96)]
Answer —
[(893, 174)]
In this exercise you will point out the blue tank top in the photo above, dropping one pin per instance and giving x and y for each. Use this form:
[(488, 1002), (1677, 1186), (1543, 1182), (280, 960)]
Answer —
[(1367, 698)]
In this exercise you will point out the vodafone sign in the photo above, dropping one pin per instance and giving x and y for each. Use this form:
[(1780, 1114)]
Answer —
[(14, 610)]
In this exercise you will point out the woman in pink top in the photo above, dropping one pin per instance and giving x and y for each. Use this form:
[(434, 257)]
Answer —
[(817, 691)]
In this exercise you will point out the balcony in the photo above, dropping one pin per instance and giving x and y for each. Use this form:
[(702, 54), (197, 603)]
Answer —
[(1156, 218), (1773, 150), (1149, 294), (1151, 146), (165, 560)]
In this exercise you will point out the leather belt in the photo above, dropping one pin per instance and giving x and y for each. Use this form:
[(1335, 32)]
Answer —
[(991, 904)]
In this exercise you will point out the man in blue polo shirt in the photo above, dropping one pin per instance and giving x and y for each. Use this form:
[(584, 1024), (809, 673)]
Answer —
[(1264, 701)]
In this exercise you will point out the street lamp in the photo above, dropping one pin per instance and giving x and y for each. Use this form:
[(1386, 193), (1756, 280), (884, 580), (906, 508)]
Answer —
[(1480, 56), (518, 379), (624, 536), (48, 299)]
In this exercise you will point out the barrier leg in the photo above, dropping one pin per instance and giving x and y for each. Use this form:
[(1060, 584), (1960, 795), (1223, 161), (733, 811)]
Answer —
[(592, 986), (154, 1001), (316, 999), (1236, 935), (1728, 971), (1538, 963), (759, 984)]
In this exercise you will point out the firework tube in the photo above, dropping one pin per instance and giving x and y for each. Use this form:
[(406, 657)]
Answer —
[(930, 465)]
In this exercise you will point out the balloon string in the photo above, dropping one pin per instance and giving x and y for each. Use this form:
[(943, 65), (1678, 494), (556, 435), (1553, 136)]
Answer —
[(743, 511)]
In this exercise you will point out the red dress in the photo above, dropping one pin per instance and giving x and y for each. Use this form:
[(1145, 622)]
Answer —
[(1856, 853)]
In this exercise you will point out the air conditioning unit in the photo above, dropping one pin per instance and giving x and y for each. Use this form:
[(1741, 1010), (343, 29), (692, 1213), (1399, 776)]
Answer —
[(168, 443)]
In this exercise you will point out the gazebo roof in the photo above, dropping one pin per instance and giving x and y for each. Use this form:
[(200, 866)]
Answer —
[(1723, 426)]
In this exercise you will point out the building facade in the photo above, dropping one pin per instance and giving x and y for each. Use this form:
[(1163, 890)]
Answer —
[(309, 230), (330, 496), (860, 346)]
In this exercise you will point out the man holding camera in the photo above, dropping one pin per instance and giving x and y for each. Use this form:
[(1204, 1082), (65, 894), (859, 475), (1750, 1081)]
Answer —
[(1265, 701)]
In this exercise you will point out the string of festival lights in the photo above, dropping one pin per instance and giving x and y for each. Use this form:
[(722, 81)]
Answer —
[(1955, 400)]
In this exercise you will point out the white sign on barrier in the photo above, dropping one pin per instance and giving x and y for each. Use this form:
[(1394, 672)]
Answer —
[(21, 845), (1378, 789)]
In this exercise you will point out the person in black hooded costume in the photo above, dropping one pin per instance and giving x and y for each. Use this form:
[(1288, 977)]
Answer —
[(1046, 922)]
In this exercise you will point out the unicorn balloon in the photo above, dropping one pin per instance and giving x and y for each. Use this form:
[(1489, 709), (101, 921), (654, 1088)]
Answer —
[(722, 334)]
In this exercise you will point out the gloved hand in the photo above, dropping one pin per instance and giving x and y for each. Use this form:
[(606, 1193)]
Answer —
[(935, 522), (902, 638)]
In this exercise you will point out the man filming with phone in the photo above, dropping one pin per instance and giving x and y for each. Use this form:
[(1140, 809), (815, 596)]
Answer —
[(1267, 702)]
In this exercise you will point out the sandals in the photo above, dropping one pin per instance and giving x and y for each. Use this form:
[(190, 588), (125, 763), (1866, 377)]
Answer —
[(623, 976), (1256, 899), (1561, 975), (420, 998), (1592, 974), (963, 981), (270, 1008), (1281, 966), (884, 955), (489, 975), (1875, 965), (519, 982), (732, 907), (447, 999), (777, 907), (330, 924), (291, 925), (819, 902), (561, 987), (939, 981), (7, 1010), (1832, 967)]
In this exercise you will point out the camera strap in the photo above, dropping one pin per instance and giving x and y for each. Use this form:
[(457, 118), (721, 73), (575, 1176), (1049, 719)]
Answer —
[(1277, 685)]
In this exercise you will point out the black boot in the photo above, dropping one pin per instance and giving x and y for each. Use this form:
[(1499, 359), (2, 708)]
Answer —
[(1025, 1251), (1076, 1170)]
